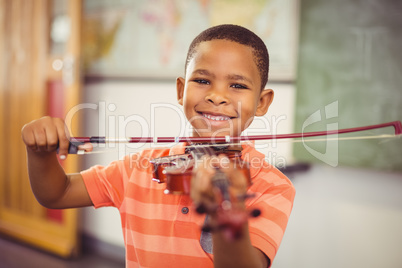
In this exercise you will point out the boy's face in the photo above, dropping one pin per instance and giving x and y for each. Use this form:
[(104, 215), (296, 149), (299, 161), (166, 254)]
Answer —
[(221, 92)]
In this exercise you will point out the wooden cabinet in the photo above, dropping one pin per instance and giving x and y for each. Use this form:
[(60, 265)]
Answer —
[(36, 80)]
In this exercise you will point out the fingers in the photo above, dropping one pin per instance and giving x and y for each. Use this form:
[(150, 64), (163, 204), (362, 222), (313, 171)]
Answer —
[(62, 138), (46, 135), (201, 187), (203, 193), (233, 171), (28, 138)]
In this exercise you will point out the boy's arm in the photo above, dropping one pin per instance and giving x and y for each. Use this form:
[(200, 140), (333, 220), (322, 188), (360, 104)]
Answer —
[(237, 253), (227, 253), (50, 185)]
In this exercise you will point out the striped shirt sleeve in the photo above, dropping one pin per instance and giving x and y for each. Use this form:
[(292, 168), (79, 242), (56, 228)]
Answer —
[(274, 197)]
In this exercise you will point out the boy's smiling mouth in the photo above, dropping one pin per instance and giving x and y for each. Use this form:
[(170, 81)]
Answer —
[(215, 116)]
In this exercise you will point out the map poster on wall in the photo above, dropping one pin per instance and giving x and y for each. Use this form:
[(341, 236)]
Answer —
[(150, 38)]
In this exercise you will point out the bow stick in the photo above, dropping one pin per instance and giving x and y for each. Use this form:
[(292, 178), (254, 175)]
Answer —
[(76, 141)]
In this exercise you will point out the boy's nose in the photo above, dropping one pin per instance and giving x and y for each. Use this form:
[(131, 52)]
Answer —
[(217, 97)]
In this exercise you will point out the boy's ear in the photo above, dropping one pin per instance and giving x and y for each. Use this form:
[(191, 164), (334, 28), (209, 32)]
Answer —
[(180, 82), (266, 98)]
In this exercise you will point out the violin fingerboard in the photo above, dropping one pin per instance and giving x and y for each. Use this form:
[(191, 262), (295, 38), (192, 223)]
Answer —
[(220, 181)]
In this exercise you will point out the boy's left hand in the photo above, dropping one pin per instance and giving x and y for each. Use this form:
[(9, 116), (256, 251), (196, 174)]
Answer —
[(205, 194)]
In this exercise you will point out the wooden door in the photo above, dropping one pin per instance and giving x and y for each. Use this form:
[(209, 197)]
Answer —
[(32, 85)]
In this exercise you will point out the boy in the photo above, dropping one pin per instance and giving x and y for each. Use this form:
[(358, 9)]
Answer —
[(223, 89)]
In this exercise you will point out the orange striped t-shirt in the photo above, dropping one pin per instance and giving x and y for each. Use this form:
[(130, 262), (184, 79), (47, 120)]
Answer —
[(163, 230)]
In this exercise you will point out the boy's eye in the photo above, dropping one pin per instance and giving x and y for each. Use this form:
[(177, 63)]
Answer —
[(239, 86), (201, 81)]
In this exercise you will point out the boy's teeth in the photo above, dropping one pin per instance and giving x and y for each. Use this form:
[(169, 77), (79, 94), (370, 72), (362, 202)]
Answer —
[(216, 117)]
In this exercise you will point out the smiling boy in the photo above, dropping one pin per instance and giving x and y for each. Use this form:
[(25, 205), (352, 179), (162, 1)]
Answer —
[(223, 89), (223, 86)]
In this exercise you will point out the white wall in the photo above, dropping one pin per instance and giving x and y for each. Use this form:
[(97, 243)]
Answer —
[(342, 217)]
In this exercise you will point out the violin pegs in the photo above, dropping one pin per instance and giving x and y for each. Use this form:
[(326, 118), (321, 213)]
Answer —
[(201, 209), (255, 213)]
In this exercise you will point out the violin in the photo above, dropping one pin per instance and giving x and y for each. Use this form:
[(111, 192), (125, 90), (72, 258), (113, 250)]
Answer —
[(176, 172)]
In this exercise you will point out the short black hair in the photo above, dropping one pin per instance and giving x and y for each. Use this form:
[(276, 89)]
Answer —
[(238, 34)]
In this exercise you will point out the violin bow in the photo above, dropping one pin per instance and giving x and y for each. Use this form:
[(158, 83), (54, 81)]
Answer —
[(76, 141)]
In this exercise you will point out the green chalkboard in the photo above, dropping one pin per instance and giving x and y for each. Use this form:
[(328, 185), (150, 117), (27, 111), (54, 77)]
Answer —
[(350, 74)]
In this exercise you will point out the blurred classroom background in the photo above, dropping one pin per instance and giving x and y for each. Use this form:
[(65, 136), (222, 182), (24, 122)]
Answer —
[(109, 67)]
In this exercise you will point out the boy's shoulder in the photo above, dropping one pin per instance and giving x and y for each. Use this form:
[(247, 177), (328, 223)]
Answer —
[(261, 169)]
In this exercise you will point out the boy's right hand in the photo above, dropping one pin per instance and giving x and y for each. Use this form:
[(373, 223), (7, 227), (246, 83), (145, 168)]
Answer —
[(52, 187), (46, 135)]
